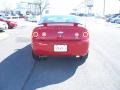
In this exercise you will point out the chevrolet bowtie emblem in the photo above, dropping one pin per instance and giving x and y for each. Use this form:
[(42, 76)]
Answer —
[(60, 32)]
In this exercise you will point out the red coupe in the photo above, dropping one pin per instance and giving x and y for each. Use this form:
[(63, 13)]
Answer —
[(11, 24), (60, 36)]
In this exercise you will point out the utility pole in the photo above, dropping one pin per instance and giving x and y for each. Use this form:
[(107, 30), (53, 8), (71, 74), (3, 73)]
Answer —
[(119, 6), (104, 3)]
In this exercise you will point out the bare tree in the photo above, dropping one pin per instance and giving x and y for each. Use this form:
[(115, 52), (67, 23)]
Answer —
[(43, 5)]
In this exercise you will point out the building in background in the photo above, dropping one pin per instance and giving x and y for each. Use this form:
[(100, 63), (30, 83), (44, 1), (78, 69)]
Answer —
[(85, 7), (26, 8), (98, 7)]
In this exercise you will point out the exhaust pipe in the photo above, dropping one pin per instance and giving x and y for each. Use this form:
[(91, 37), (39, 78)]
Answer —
[(77, 56)]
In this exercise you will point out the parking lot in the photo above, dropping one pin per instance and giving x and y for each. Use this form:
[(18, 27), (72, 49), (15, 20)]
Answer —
[(100, 71)]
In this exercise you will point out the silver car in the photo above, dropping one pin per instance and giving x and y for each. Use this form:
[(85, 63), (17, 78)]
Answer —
[(3, 25)]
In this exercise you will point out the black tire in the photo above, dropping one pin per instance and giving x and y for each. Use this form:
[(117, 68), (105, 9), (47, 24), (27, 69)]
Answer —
[(84, 57), (1, 30), (35, 57), (9, 27), (115, 21), (43, 58), (81, 60)]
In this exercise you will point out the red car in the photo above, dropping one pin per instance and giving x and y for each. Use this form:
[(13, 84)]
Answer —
[(60, 36), (11, 24)]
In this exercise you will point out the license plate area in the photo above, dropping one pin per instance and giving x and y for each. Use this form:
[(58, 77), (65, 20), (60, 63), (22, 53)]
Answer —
[(60, 48)]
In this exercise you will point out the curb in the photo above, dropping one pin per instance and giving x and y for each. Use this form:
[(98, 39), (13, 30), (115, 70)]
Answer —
[(3, 35)]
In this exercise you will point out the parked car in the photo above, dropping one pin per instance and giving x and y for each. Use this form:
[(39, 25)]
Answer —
[(3, 25), (60, 36), (27, 16), (114, 19), (110, 17), (8, 17), (11, 24), (117, 20), (21, 16), (31, 18), (15, 16)]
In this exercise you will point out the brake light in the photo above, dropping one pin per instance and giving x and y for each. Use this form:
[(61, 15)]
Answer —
[(85, 34), (76, 35), (35, 34), (44, 34)]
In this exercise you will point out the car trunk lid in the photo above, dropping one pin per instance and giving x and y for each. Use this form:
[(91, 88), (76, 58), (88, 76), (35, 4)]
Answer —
[(60, 31)]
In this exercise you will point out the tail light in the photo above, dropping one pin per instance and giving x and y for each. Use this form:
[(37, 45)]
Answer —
[(76, 35), (44, 34), (35, 34), (85, 34)]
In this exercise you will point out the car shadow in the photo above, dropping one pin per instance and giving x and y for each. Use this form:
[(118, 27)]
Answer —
[(19, 71), (15, 69), (54, 70)]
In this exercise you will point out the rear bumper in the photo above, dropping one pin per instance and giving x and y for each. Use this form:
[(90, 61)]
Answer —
[(46, 48)]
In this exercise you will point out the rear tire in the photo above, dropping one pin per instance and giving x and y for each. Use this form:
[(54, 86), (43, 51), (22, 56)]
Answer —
[(38, 58), (1, 30), (10, 27), (115, 21), (84, 57), (35, 57), (81, 60), (43, 58)]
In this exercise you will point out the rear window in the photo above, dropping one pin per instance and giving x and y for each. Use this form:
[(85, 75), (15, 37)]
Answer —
[(58, 19)]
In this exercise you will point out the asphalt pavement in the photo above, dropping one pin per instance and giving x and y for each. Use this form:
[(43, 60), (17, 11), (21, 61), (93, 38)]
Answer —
[(100, 71)]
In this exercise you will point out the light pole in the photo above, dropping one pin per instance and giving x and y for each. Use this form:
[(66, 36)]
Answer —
[(89, 4)]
